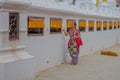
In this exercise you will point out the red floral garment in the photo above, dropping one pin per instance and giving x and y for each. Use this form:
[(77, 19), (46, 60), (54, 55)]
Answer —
[(78, 40)]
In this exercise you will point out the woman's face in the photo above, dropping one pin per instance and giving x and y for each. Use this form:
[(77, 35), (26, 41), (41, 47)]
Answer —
[(72, 26)]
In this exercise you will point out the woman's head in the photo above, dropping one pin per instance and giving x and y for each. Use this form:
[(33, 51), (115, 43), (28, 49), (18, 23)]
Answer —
[(73, 25)]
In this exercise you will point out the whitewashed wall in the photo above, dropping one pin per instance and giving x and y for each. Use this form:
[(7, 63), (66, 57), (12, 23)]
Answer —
[(50, 49)]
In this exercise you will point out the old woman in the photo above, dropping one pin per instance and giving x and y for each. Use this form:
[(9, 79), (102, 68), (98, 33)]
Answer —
[(73, 43)]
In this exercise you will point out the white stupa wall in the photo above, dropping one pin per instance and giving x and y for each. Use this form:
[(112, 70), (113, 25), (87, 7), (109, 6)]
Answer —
[(15, 62), (50, 49)]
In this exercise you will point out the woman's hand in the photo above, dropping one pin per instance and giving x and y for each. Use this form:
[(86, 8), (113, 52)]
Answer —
[(62, 30), (77, 36), (72, 38), (66, 34)]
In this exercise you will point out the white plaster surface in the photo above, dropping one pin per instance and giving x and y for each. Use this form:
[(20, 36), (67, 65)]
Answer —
[(18, 70), (90, 67), (50, 49)]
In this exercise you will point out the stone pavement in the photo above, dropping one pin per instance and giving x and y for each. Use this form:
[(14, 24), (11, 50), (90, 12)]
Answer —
[(90, 67)]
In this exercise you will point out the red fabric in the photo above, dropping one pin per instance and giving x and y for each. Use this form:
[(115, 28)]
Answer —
[(69, 42), (79, 42)]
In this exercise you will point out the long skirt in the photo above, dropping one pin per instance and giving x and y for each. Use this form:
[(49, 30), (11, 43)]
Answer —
[(74, 52), (75, 58)]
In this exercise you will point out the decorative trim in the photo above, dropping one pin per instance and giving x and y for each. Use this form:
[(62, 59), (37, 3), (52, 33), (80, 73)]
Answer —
[(15, 5), (9, 10), (10, 48), (4, 31), (37, 9), (23, 30)]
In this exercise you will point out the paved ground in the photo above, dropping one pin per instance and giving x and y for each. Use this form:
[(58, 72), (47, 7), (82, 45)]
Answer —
[(90, 67)]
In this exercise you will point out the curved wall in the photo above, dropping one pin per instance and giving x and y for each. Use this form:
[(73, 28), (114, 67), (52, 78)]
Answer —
[(50, 49)]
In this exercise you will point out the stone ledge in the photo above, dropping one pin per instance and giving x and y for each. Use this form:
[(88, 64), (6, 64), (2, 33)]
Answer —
[(3, 31), (13, 54), (14, 57), (15, 5), (11, 48), (6, 31)]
